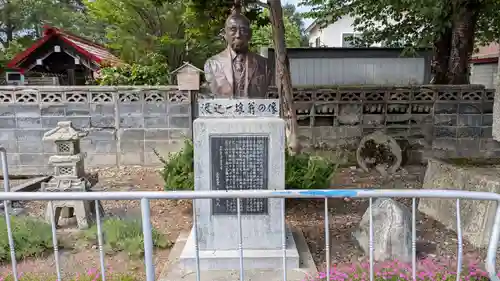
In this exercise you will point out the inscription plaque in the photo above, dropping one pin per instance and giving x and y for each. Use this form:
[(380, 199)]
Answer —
[(239, 163)]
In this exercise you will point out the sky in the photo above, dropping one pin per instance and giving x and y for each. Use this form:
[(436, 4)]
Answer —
[(307, 22)]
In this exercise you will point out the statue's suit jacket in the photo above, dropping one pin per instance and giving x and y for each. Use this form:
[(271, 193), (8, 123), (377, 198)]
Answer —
[(219, 74)]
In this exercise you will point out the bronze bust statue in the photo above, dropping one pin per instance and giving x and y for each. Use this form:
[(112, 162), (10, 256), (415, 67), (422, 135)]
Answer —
[(236, 72)]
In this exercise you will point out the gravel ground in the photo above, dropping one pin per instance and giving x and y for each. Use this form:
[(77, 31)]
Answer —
[(172, 217)]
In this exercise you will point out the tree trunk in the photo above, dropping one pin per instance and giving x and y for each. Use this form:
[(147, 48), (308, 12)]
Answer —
[(462, 42), (283, 79), (441, 57)]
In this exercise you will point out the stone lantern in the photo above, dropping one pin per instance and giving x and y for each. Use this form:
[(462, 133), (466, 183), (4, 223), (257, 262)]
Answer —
[(69, 175)]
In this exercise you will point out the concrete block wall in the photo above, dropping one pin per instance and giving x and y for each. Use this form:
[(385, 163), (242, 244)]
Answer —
[(125, 125), (449, 121)]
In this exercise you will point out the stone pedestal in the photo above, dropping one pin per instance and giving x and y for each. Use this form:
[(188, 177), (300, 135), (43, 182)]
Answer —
[(229, 259), (239, 151)]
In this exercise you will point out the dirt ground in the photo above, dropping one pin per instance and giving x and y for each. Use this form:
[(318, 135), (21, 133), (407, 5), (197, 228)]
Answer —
[(171, 217)]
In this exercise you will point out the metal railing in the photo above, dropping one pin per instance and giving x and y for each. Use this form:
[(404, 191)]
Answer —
[(145, 198)]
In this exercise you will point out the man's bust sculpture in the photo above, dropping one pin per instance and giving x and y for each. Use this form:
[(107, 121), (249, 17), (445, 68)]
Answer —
[(236, 72)]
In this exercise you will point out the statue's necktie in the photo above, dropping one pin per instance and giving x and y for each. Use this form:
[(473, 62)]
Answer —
[(239, 75)]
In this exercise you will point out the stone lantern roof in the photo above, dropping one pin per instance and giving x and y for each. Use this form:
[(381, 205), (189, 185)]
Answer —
[(63, 132)]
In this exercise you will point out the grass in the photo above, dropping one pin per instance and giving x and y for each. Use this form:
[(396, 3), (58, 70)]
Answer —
[(28, 243), (33, 238), (124, 236), (90, 275)]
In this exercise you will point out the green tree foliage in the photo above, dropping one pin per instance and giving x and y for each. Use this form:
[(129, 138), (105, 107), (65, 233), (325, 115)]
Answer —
[(451, 27), (150, 71), (263, 35), (290, 12), (21, 22)]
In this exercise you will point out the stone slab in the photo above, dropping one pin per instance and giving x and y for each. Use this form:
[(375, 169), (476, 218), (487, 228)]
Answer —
[(230, 259), (173, 270), (477, 216), (238, 108), (219, 231), (30, 185)]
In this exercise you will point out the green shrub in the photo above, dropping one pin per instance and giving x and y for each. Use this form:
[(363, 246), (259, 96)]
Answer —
[(302, 171), (124, 235), (152, 71), (305, 171), (32, 238), (178, 170)]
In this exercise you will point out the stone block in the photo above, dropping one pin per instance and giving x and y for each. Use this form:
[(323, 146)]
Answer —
[(102, 134), (489, 144), (133, 146), (29, 135), (131, 158), (164, 148), (32, 159), (477, 216), (102, 121), (157, 134), (132, 121), (470, 108), (179, 109), (102, 109), (27, 110), (473, 120), (131, 134), (29, 170), (78, 109), (9, 145), (51, 122), (444, 144), (29, 147), (7, 122), (445, 119), (183, 134), (160, 121), (445, 132), (130, 109), (102, 147), (487, 120), (445, 108), (100, 160), (53, 109), (7, 134), (154, 109), (28, 122), (7, 110), (180, 122), (13, 159), (468, 132), (151, 159)]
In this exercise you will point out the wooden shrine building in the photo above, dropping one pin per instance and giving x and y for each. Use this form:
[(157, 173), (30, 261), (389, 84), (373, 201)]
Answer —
[(59, 58)]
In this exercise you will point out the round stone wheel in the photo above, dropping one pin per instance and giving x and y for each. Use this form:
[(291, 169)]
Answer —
[(380, 152)]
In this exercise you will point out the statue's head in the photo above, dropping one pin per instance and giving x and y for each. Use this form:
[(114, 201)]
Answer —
[(238, 32)]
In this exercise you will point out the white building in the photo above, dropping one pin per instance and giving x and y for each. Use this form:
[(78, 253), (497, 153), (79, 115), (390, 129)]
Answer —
[(338, 34)]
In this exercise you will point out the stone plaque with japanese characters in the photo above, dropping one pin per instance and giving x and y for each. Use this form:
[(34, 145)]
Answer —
[(238, 108), (239, 163)]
